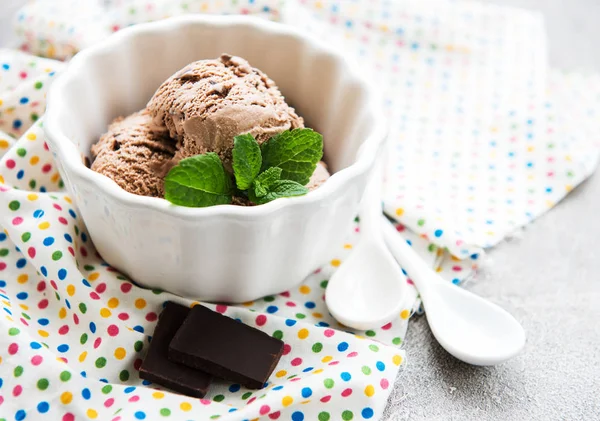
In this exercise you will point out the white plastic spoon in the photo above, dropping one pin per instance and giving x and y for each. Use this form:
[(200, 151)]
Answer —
[(366, 292), (469, 327)]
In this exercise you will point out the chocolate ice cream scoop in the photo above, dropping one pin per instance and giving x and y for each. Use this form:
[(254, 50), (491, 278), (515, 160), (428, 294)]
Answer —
[(133, 155), (209, 102)]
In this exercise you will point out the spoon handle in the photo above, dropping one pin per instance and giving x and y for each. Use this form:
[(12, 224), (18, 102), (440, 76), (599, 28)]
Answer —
[(418, 271)]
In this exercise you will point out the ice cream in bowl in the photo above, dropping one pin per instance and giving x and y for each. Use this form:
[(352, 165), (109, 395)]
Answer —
[(218, 158)]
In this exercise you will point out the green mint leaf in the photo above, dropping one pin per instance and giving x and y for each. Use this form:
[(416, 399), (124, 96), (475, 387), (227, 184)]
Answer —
[(265, 180), (278, 189), (296, 152), (198, 181), (246, 160)]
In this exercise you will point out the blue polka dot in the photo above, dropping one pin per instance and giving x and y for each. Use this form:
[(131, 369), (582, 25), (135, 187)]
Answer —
[(24, 100), (140, 415), (474, 256), (83, 236), (438, 233), (530, 164), (20, 174), (409, 242), (1, 383), (72, 213), (278, 387), (2, 284), (232, 409), (68, 238), (83, 374), (290, 322), (144, 382), (272, 309), (43, 407), (16, 125), (456, 281), (35, 345), (21, 263), (86, 394), (44, 270), (380, 366), (5, 66), (62, 274), (548, 189), (342, 346), (43, 322), (48, 241), (306, 392), (323, 324), (38, 213), (310, 304), (346, 376), (20, 415), (234, 388), (22, 295), (85, 282), (63, 348), (43, 189), (367, 413), (129, 389), (297, 416), (92, 327), (2, 236), (138, 328), (307, 369), (414, 46)]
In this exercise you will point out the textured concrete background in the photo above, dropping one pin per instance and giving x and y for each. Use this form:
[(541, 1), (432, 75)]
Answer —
[(548, 278)]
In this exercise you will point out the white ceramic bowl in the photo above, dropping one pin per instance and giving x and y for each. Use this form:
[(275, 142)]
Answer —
[(223, 253)]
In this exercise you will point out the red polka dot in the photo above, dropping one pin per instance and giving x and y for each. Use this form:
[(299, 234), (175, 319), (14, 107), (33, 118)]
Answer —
[(2, 265), (205, 401), (264, 409), (123, 316), (75, 318), (296, 361), (17, 221), (334, 363), (1, 400), (326, 399), (221, 308), (151, 317), (43, 304), (108, 403), (63, 330), (125, 287), (63, 359), (68, 417), (36, 360), (83, 251), (13, 348), (94, 296), (290, 304), (352, 354), (71, 251), (41, 286), (274, 415), (295, 379), (387, 327), (101, 288), (346, 392), (134, 398), (456, 268), (286, 349), (10, 163), (17, 390), (113, 330), (31, 252), (251, 400), (261, 319), (53, 284), (329, 333), (24, 321), (285, 294), (97, 342), (137, 363), (63, 221), (46, 168), (23, 75), (384, 383), (116, 418), (57, 206)]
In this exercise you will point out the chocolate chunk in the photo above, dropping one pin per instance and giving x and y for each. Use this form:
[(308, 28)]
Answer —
[(156, 366), (225, 348)]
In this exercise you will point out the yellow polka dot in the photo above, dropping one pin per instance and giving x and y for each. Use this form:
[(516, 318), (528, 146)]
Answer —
[(317, 315), (400, 211), (369, 390), (327, 359), (280, 373), (44, 225), (348, 246), (24, 307), (66, 398), (62, 313), (530, 149), (82, 356), (91, 413), (455, 259), (6, 303), (158, 395), (34, 160), (287, 401), (320, 370), (304, 289), (248, 304), (68, 199), (120, 353), (438, 269), (336, 262), (568, 187), (93, 276), (397, 359), (31, 136), (31, 197), (140, 303), (405, 314), (185, 406), (43, 333), (71, 289), (303, 333), (305, 402), (10, 319), (113, 302), (104, 312), (1, 179), (22, 278), (54, 177), (4, 144)]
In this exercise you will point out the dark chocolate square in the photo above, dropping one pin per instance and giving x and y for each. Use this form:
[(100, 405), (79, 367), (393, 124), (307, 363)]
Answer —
[(157, 368), (225, 348)]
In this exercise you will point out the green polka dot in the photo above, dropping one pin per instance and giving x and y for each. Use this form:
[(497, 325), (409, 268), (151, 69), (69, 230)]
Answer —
[(370, 333), (157, 291), (373, 347), (121, 278), (124, 375), (18, 371), (89, 267), (347, 415), (83, 339), (21, 152), (421, 222), (317, 347), (138, 346), (165, 412), (366, 370), (57, 296), (214, 417), (246, 395), (32, 184), (14, 205), (300, 316), (219, 398), (25, 315), (42, 384), (431, 248), (65, 376), (101, 362), (76, 230), (106, 389), (61, 183), (34, 117), (57, 255), (13, 331), (25, 236), (324, 416), (397, 341), (278, 334), (570, 173), (328, 383), (3, 252), (82, 308), (38, 85), (269, 298), (324, 284)]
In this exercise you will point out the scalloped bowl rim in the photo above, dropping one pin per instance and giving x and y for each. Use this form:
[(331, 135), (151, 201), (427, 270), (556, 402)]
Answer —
[(69, 154)]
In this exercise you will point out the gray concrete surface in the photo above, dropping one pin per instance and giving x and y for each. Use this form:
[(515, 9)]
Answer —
[(549, 278)]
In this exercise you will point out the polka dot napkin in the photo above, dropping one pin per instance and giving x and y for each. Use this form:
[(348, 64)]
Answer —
[(478, 147)]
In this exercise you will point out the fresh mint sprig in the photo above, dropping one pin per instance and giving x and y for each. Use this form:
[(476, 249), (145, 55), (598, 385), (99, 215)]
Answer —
[(280, 167)]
